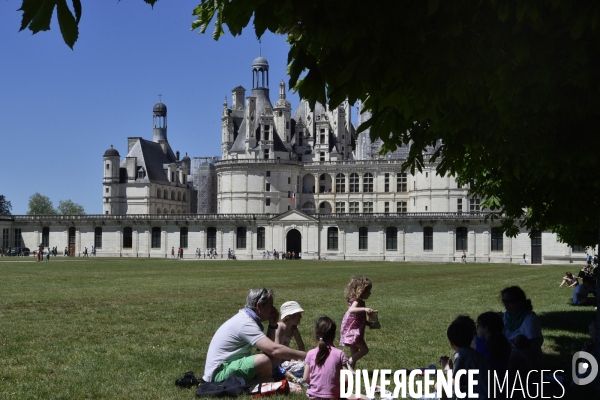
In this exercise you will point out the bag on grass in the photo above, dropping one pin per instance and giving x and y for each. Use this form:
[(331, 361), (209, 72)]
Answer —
[(188, 380), (271, 388), (230, 387)]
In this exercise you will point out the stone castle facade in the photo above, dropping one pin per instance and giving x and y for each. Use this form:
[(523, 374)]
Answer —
[(300, 181)]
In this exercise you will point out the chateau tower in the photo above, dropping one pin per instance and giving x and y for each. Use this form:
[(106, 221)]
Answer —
[(160, 122)]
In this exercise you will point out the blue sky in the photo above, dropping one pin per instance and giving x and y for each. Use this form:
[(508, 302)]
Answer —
[(60, 109)]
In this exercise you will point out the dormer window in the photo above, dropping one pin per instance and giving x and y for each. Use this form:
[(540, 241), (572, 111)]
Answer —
[(141, 173)]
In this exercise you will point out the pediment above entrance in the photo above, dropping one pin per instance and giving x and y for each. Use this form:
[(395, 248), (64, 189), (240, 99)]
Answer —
[(293, 216)]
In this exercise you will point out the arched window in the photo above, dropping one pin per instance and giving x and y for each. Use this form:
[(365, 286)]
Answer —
[(178, 196), (165, 211), (462, 243), (166, 195), (332, 238), (158, 210), (184, 197), (368, 183), (354, 183), (241, 237), (172, 195), (391, 238), (340, 183), (158, 193), (428, 238)]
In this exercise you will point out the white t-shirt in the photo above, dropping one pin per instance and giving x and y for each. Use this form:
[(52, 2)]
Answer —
[(530, 328), (232, 341)]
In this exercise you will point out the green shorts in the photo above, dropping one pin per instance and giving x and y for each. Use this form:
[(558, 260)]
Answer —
[(242, 367)]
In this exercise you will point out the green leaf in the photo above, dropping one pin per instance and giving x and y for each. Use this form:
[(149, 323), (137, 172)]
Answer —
[(37, 14), (67, 23)]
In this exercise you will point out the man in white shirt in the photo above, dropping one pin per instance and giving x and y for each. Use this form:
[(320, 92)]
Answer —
[(229, 352)]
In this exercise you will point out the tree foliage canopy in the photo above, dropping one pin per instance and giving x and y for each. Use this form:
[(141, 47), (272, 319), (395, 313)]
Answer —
[(5, 205), (40, 205), (68, 207), (509, 87)]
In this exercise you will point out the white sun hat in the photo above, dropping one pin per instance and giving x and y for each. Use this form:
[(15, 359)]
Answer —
[(288, 308)]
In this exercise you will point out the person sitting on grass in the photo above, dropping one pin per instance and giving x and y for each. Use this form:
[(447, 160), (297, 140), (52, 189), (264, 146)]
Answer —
[(460, 336), (522, 328), (581, 293), (324, 363), (287, 328), (229, 352), (569, 280), (491, 343)]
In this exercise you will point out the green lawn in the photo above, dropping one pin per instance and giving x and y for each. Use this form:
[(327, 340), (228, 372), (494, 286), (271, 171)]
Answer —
[(127, 328)]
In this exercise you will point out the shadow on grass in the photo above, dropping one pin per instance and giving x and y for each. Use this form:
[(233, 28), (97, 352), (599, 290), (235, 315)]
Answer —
[(575, 320)]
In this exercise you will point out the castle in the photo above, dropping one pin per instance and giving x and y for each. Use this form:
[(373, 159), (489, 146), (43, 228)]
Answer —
[(300, 181)]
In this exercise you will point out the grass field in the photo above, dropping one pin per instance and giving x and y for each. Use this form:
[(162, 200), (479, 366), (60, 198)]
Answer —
[(127, 328)]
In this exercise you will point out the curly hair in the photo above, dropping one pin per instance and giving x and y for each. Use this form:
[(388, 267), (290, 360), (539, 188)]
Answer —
[(356, 287)]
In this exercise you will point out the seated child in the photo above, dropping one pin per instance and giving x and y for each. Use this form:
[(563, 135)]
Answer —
[(491, 342), (324, 363), (460, 335), (287, 328), (569, 280)]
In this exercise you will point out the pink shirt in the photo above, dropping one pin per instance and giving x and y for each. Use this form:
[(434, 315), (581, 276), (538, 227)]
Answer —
[(325, 379)]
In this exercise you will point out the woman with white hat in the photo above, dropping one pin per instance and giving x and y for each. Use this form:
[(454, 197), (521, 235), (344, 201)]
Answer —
[(291, 315)]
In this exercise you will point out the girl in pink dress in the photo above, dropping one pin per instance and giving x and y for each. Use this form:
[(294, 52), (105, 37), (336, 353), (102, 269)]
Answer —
[(324, 363), (352, 333)]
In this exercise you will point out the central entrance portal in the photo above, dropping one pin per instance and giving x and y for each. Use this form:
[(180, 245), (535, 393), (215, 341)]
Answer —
[(293, 242)]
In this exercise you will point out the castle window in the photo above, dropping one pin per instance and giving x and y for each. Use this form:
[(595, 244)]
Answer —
[(107, 166), (19, 237), (391, 238), (354, 183), (211, 238), (354, 207), (260, 238), (183, 237), (266, 154), (368, 207), (299, 140), (475, 205), (172, 195), (5, 238), (289, 180), (428, 238), (340, 183), (46, 237), (458, 205), (158, 193), (267, 187), (241, 237), (386, 185), (401, 182), (98, 237), (340, 207), (462, 242), (322, 156), (172, 176), (127, 238), (179, 196), (156, 238), (281, 113), (106, 190), (363, 238), (184, 197), (267, 201), (401, 207), (268, 173), (141, 173), (386, 207), (368, 182), (497, 239), (332, 238)]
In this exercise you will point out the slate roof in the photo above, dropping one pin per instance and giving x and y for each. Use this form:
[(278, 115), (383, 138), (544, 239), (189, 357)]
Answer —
[(151, 157)]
